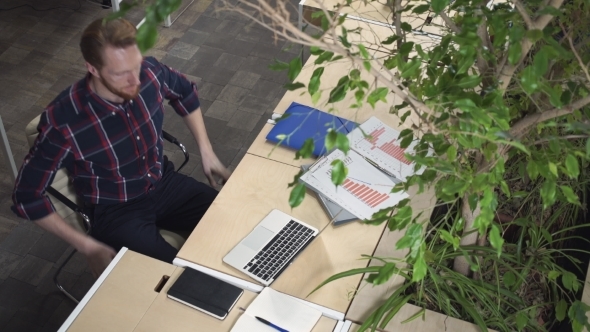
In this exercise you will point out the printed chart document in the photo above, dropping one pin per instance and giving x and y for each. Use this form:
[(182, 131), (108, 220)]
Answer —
[(365, 190), (278, 309), (381, 147)]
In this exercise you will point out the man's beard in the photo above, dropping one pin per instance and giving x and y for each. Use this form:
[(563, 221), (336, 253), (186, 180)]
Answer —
[(119, 93)]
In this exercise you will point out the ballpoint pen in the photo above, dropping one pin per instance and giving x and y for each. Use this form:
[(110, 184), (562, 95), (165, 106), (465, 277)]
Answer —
[(264, 321)]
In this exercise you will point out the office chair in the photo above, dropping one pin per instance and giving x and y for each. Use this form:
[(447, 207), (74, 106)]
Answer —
[(69, 206)]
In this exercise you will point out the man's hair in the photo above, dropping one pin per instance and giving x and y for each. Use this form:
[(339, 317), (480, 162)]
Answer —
[(118, 33)]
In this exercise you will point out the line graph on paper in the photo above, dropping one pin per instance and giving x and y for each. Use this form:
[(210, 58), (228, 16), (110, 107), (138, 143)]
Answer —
[(382, 147)]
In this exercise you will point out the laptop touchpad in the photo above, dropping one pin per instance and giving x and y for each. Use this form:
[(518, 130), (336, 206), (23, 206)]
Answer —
[(258, 238)]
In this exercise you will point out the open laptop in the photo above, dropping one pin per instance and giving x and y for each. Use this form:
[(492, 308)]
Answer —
[(270, 247)]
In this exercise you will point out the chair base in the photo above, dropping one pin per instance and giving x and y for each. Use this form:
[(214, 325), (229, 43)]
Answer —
[(56, 278)]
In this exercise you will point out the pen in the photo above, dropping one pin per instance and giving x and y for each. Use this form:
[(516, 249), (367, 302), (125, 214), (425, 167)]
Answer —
[(264, 321)]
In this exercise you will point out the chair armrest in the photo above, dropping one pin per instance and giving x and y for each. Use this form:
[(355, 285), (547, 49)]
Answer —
[(174, 141), (62, 198)]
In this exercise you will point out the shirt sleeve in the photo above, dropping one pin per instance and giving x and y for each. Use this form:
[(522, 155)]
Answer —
[(181, 92), (50, 152)]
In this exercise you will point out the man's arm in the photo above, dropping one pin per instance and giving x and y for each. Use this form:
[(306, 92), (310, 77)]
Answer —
[(98, 254), (211, 164)]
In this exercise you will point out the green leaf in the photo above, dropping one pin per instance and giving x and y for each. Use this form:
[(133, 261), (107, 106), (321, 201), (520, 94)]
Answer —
[(406, 48), (297, 195), (413, 233), (570, 195), (326, 56), (421, 9), (330, 141), (421, 52), (338, 93), (560, 310), (363, 51), (529, 80), (571, 164), (316, 97), (339, 172), (541, 62), (514, 53), (294, 68), (342, 143), (294, 86), (278, 65), (411, 68), (390, 40), (568, 280), (552, 275), (496, 239), (549, 10), (465, 105), (314, 50), (146, 37), (439, 5), (452, 153), (469, 82), (509, 279), (521, 320), (534, 35), (384, 274), (376, 95), (548, 193), (419, 270), (362, 270), (588, 148), (306, 150), (314, 81), (406, 26), (552, 168)]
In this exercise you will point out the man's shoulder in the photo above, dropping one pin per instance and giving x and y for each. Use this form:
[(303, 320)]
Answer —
[(69, 104)]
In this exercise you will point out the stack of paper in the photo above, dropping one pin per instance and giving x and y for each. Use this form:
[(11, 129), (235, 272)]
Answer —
[(381, 147), (365, 190), (279, 309)]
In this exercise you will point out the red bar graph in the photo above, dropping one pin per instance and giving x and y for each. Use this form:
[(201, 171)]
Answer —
[(369, 196), (389, 147)]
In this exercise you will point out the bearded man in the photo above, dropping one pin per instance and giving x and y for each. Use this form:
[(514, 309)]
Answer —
[(106, 130)]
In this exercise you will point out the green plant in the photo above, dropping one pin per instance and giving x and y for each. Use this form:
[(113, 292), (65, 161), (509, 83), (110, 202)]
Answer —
[(503, 93)]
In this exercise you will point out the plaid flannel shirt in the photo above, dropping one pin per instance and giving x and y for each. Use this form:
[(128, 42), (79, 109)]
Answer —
[(113, 151)]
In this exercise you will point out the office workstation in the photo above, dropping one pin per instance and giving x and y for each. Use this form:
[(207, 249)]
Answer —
[(258, 185)]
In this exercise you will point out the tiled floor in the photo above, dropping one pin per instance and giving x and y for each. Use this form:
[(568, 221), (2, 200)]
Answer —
[(223, 52)]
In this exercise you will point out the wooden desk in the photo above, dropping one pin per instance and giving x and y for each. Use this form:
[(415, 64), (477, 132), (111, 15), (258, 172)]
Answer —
[(256, 187), (124, 299)]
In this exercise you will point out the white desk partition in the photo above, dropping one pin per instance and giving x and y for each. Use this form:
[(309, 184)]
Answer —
[(7, 151)]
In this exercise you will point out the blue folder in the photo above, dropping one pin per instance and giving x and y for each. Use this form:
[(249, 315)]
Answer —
[(301, 122)]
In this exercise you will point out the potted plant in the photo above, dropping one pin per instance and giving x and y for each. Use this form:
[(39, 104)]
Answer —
[(501, 99)]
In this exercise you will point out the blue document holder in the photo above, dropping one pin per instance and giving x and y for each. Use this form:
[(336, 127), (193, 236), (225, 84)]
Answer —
[(302, 122)]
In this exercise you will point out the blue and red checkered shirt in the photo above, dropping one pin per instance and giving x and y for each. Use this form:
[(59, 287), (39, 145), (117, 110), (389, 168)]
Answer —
[(113, 151)]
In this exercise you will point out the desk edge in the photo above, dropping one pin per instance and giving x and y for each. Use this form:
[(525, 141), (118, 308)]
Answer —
[(72, 317)]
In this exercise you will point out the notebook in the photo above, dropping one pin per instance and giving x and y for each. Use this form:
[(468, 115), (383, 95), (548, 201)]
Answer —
[(271, 246), (203, 292), (279, 309), (301, 122)]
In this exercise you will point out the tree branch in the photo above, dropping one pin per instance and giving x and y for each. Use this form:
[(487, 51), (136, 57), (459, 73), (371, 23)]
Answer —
[(450, 23), (525, 16), (506, 72), (569, 39), (521, 127), (398, 22)]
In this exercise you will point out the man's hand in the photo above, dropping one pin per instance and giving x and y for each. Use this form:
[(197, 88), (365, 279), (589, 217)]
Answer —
[(213, 167), (98, 255)]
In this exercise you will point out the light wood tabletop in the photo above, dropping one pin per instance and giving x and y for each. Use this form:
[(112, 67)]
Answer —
[(127, 300), (256, 187)]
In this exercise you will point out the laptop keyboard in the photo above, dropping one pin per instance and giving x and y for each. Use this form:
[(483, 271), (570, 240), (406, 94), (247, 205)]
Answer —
[(271, 260)]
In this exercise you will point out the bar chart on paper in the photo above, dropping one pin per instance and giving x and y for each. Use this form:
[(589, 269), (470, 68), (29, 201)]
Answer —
[(365, 190), (381, 146)]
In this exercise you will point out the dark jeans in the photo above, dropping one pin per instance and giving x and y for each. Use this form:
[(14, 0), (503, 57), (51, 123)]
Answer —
[(176, 203)]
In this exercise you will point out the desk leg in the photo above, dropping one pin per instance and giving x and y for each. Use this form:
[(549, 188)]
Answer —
[(7, 151)]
